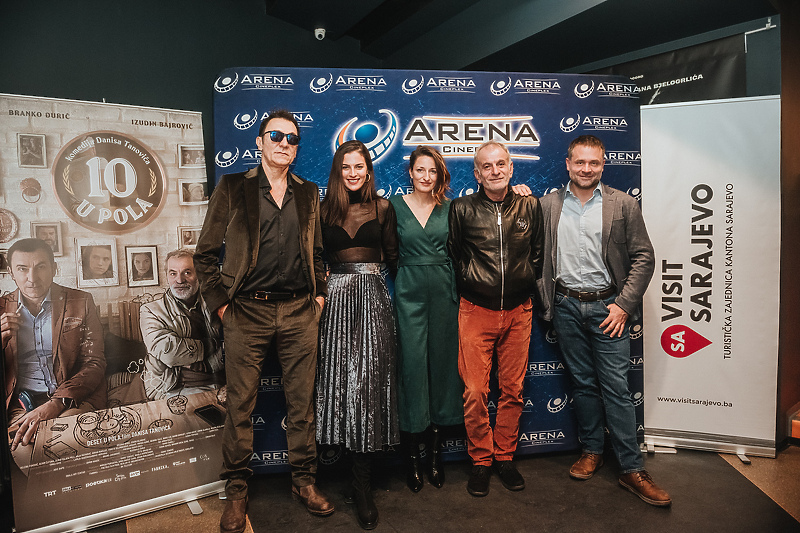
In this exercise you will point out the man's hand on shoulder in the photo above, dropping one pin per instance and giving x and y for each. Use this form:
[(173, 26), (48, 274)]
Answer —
[(614, 323), (221, 310), (522, 189)]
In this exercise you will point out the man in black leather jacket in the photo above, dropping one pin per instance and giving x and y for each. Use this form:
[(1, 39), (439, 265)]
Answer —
[(495, 242)]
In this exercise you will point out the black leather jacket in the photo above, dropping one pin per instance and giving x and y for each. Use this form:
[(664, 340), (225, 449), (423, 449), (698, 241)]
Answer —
[(496, 248)]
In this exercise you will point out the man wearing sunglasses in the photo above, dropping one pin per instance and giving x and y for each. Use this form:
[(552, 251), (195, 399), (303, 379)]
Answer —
[(269, 292)]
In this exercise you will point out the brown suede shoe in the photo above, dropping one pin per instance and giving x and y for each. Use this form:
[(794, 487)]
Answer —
[(234, 518), (641, 484), (586, 466), (314, 499)]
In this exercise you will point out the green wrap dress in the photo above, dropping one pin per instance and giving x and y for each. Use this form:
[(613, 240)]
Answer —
[(430, 391)]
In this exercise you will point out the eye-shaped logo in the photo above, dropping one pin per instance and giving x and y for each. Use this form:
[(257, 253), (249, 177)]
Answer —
[(331, 455), (636, 331), (413, 85), (244, 121), (557, 404), (569, 124), (283, 423), (368, 132), (466, 191), (500, 87), (636, 192), (225, 84), (582, 90), (320, 85), (638, 398), (226, 158), (551, 336)]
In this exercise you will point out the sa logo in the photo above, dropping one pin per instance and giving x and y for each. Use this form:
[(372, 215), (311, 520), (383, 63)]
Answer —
[(682, 341)]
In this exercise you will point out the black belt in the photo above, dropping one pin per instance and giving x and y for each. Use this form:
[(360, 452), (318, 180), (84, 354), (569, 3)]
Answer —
[(586, 296), (272, 295)]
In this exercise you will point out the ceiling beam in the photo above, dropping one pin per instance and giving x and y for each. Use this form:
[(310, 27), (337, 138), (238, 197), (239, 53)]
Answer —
[(481, 30)]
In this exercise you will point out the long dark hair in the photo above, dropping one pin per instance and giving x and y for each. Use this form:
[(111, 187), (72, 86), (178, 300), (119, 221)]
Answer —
[(442, 185), (333, 208)]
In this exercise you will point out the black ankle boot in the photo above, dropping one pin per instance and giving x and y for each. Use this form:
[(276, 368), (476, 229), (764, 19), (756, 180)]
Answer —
[(414, 466), (366, 511), (436, 471)]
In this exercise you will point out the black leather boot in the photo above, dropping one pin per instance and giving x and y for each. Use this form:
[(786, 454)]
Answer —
[(436, 470), (414, 462), (366, 511)]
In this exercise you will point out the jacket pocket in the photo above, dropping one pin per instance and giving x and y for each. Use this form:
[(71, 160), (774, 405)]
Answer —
[(618, 231), (72, 322), (227, 280)]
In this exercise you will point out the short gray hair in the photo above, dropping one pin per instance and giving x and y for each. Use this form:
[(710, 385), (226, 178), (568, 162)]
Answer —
[(486, 145)]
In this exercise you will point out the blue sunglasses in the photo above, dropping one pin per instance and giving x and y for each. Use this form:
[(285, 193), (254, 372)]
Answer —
[(277, 136)]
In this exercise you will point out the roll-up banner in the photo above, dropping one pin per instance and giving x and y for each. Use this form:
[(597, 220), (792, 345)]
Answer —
[(711, 177), (130, 183), (393, 111)]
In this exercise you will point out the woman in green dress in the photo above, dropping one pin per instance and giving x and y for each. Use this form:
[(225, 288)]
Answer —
[(429, 388)]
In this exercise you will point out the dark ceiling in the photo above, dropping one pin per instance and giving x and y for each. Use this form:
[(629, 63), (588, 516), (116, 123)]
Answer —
[(513, 35)]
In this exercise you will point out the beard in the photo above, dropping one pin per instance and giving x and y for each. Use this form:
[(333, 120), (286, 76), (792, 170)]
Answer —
[(183, 291)]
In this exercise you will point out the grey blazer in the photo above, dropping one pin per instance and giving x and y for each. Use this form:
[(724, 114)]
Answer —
[(627, 251)]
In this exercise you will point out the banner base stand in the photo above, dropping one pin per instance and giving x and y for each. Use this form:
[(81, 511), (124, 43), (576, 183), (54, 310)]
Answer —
[(650, 448), (136, 509), (195, 507), (710, 442), (743, 458)]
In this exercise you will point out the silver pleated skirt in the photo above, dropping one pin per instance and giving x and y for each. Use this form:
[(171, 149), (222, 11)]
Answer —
[(356, 382)]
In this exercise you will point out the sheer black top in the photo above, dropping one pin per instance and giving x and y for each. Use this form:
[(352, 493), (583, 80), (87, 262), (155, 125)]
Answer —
[(368, 235)]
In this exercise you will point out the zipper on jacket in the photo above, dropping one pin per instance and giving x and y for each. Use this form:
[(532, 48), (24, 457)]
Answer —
[(502, 262)]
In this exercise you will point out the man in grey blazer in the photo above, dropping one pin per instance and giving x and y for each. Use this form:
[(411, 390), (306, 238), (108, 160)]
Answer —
[(598, 261), (269, 291)]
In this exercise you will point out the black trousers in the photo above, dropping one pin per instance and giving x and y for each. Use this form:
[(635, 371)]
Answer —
[(251, 327)]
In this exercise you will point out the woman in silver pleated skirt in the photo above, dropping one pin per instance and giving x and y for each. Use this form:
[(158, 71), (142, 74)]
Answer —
[(356, 403), (356, 382)]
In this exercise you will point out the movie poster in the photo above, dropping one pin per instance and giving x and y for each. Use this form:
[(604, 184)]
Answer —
[(110, 189)]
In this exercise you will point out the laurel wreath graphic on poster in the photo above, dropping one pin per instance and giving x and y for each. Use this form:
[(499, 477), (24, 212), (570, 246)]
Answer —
[(67, 185)]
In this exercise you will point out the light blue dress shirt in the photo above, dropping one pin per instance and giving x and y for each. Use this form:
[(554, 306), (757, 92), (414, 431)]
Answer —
[(579, 256), (35, 348)]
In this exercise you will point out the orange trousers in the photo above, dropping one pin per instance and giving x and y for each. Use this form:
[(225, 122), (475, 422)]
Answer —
[(482, 333)]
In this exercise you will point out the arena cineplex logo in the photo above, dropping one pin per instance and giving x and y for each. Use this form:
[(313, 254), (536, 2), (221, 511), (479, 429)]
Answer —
[(460, 136), (109, 182)]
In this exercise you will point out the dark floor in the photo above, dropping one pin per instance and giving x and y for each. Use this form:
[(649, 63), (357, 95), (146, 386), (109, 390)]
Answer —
[(709, 495)]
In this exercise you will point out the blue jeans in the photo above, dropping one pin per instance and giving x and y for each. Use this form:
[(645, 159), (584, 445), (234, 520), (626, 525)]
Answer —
[(598, 366)]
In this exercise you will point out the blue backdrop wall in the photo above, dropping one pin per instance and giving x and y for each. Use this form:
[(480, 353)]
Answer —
[(393, 111)]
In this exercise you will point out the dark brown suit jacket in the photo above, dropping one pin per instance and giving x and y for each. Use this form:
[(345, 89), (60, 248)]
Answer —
[(233, 219), (79, 361)]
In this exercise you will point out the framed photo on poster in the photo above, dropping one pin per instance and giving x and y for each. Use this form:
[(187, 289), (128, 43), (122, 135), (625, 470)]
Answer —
[(192, 191), (49, 232), (188, 235), (31, 152), (97, 262), (142, 263), (191, 156)]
